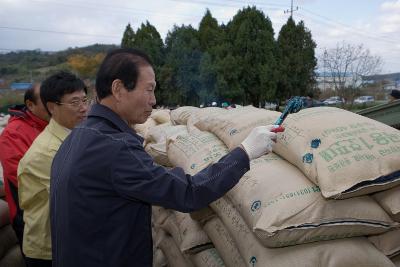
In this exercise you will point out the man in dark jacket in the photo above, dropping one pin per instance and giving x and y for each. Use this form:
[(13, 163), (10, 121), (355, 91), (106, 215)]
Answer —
[(25, 124), (104, 183)]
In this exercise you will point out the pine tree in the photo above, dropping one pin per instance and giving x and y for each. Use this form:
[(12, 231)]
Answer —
[(210, 37), (297, 62), (181, 69), (128, 37), (208, 79), (209, 32), (252, 54), (149, 40)]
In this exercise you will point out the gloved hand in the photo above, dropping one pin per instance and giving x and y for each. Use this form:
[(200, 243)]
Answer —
[(259, 142)]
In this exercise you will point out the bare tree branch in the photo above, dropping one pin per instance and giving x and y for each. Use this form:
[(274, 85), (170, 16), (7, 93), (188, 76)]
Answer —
[(347, 64)]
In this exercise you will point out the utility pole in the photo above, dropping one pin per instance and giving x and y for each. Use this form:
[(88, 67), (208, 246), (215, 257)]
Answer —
[(291, 9)]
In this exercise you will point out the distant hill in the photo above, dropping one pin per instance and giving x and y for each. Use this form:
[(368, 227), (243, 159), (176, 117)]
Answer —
[(383, 77), (36, 64)]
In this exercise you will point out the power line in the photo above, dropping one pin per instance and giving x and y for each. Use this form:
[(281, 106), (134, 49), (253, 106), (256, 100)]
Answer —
[(321, 20), (270, 6), (349, 29), (325, 20), (232, 1), (357, 31), (130, 10), (122, 9), (87, 7), (125, 9), (57, 32)]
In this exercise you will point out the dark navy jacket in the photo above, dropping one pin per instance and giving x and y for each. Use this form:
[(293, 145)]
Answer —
[(103, 185)]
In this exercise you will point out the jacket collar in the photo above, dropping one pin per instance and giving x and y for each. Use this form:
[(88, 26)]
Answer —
[(18, 111), (22, 113), (99, 110), (41, 124)]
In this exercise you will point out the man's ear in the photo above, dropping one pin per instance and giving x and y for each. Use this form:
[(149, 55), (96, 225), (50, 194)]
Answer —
[(29, 104), (117, 89), (51, 106)]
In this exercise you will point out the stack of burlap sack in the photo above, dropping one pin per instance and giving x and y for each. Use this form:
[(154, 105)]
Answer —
[(327, 196), (10, 253)]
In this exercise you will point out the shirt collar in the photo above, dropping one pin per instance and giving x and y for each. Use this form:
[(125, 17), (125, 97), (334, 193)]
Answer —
[(99, 110), (59, 131)]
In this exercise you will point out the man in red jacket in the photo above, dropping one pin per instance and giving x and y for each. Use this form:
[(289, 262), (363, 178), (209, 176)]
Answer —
[(25, 123)]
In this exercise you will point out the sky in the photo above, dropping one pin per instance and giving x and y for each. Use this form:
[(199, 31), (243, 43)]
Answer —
[(54, 25)]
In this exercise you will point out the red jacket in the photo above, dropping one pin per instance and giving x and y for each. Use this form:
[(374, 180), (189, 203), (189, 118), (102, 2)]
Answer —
[(22, 128)]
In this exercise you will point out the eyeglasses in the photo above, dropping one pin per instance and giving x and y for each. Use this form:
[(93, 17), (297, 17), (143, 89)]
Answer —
[(76, 103)]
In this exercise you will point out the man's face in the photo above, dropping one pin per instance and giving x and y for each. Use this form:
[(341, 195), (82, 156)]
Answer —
[(71, 110), (135, 106), (38, 108)]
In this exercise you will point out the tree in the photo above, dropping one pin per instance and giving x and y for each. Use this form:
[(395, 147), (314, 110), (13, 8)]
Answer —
[(251, 53), (207, 79), (85, 65), (209, 32), (149, 40), (128, 37), (228, 84), (180, 72), (210, 36), (296, 60), (347, 64)]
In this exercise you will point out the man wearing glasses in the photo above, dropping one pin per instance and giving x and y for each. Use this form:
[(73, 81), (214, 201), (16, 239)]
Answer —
[(64, 97)]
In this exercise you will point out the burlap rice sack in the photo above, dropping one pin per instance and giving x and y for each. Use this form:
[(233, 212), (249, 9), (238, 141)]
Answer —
[(223, 242), (396, 261), (171, 251), (232, 126), (207, 258), (159, 259), (156, 139), (181, 115), (141, 129), (388, 243), (159, 153), (390, 201), (357, 251), (159, 214), (161, 116), (187, 233), (284, 208), (202, 215), (345, 154), (160, 133), (193, 152), (303, 216)]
